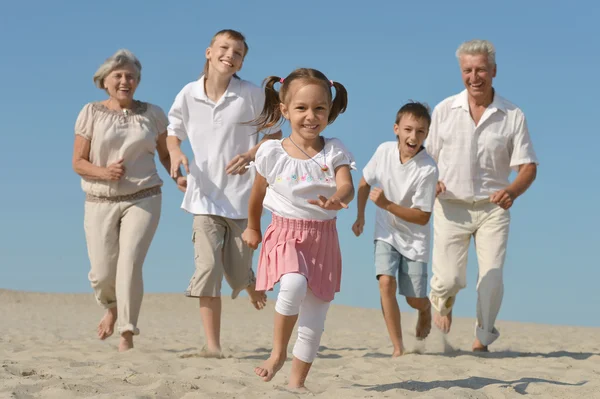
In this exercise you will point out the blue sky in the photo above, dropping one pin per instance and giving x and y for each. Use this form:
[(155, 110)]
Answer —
[(385, 53)]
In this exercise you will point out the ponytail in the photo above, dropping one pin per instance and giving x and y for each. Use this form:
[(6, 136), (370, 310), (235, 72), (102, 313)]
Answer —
[(271, 112)]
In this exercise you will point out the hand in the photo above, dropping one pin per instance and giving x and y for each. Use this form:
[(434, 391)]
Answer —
[(503, 198), (238, 164), (114, 171), (440, 188), (331, 204), (357, 227), (178, 158), (378, 197), (181, 183), (252, 237)]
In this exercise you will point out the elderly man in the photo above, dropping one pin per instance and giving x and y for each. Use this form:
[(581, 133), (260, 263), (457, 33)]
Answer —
[(476, 137)]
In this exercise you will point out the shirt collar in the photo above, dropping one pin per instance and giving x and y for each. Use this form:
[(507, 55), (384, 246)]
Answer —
[(462, 101), (233, 90)]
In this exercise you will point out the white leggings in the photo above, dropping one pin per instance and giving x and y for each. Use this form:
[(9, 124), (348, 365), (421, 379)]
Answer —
[(296, 298)]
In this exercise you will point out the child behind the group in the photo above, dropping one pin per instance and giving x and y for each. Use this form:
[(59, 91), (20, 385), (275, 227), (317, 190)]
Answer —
[(209, 113), (304, 181), (406, 177)]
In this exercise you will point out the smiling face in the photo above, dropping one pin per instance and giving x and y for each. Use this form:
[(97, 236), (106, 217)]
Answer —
[(121, 84), (307, 108), (225, 55), (411, 133), (477, 74)]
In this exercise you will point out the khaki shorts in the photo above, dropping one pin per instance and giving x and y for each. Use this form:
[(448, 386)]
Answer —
[(219, 251)]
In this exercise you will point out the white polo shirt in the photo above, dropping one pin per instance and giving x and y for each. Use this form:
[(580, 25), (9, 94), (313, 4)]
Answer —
[(476, 161), (411, 185), (217, 134)]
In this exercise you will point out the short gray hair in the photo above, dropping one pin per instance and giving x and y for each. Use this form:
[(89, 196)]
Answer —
[(120, 58), (473, 47)]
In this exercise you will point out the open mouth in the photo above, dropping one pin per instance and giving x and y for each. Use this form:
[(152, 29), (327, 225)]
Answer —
[(310, 127), (412, 146), (124, 90), (229, 64)]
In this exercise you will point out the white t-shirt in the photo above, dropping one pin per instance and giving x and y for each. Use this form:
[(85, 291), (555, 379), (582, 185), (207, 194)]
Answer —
[(217, 134), (411, 185), (294, 181)]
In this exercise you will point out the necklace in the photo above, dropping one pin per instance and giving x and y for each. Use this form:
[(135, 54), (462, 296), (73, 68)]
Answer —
[(323, 167)]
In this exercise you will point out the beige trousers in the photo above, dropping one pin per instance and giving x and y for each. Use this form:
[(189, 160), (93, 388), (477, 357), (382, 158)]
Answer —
[(118, 236), (219, 251), (454, 223)]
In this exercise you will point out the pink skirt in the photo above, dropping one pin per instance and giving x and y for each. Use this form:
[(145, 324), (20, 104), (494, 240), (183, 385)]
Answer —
[(308, 247)]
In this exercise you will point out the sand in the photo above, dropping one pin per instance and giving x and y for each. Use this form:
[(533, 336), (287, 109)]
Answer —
[(48, 349)]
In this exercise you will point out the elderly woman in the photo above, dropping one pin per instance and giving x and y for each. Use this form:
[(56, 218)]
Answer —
[(115, 143)]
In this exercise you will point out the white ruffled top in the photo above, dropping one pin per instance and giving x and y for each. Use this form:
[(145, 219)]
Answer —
[(293, 181)]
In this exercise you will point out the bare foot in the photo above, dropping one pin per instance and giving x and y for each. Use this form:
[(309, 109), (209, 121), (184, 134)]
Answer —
[(269, 368), (300, 389), (107, 324), (424, 323), (443, 322), (257, 298), (479, 347), (398, 352), (126, 341), (212, 353)]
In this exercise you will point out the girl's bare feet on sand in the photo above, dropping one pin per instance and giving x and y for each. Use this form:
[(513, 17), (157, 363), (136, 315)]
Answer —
[(107, 324), (126, 341), (269, 368), (257, 298)]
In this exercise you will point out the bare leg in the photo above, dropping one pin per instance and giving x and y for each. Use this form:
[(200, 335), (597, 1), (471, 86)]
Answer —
[(210, 312), (107, 324), (424, 322), (257, 298), (284, 326), (391, 312), (126, 342), (298, 373)]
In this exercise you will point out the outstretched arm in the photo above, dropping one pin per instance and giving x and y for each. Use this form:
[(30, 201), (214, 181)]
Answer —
[(237, 166)]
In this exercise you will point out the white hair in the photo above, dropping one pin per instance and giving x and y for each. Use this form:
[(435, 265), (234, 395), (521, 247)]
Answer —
[(474, 47), (119, 59)]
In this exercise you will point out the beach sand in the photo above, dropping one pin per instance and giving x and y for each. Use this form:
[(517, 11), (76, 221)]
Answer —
[(49, 349)]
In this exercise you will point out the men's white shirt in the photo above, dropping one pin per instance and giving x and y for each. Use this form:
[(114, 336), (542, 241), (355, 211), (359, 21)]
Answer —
[(475, 161), (217, 134), (411, 185)]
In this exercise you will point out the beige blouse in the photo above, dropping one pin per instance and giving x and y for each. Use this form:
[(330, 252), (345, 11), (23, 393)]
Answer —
[(114, 135)]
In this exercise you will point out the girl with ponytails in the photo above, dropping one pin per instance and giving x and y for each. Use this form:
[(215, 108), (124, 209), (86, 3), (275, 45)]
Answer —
[(304, 180)]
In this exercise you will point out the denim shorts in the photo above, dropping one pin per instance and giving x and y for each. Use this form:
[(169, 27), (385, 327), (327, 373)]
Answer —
[(411, 275)]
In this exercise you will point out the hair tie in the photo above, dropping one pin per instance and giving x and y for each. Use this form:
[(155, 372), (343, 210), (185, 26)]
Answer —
[(331, 83), (281, 80)]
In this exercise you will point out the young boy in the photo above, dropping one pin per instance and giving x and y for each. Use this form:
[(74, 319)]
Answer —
[(406, 178)]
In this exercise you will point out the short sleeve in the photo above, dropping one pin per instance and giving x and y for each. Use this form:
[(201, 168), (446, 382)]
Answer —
[(160, 119), (261, 160), (424, 196), (84, 126), (340, 155), (370, 170), (433, 143), (176, 118), (522, 148)]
